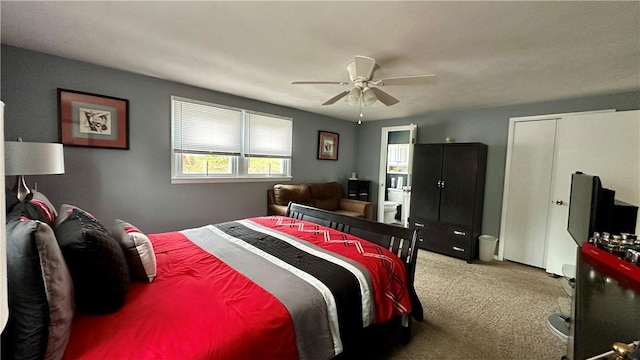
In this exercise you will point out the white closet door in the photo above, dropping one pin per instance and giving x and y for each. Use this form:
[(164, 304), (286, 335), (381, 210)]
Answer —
[(605, 145), (527, 207)]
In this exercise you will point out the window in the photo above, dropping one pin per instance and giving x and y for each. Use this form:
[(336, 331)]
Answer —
[(214, 143)]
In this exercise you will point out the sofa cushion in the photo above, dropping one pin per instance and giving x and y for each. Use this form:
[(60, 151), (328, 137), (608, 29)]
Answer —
[(326, 195), (349, 213), (300, 194)]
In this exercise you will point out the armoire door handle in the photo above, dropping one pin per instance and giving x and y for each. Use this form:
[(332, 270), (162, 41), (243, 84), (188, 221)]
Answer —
[(462, 233)]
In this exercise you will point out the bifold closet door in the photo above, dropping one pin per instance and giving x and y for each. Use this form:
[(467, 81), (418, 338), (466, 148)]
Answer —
[(530, 185), (605, 145)]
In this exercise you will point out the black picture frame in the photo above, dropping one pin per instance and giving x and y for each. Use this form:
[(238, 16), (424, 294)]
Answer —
[(93, 120)]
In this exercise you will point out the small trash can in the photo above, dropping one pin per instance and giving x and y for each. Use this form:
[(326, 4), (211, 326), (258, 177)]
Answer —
[(487, 247)]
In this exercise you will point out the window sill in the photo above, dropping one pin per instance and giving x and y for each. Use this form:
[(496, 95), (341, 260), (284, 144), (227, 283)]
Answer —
[(182, 180)]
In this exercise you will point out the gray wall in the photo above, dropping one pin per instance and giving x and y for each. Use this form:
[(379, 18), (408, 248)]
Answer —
[(135, 185), (487, 125)]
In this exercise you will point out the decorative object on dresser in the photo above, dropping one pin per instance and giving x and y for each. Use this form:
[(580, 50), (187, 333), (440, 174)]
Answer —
[(358, 189), (93, 120), (447, 197), (328, 144), (31, 158), (326, 196)]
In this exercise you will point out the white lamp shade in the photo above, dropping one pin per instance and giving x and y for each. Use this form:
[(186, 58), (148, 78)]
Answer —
[(31, 158)]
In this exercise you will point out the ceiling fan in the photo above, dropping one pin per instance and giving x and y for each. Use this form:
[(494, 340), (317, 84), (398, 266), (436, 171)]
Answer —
[(365, 89)]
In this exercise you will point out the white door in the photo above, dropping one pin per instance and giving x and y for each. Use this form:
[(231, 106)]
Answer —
[(531, 169), (605, 145), (382, 178)]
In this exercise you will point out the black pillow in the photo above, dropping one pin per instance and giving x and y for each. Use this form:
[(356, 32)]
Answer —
[(11, 199), (96, 261)]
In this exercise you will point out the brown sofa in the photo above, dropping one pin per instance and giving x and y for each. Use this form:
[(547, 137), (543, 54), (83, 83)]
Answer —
[(327, 196)]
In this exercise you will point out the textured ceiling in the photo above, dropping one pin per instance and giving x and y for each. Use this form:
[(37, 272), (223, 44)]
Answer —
[(484, 53)]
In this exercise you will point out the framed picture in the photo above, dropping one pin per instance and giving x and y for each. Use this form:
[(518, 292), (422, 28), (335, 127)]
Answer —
[(93, 120), (328, 145)]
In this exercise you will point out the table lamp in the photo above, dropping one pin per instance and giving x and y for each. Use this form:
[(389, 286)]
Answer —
[(30, 158)]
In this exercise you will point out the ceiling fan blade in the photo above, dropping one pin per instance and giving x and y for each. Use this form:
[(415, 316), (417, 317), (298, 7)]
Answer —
[(408, 80), (364, 67), (336, 98), (319, 82), (384, 97)]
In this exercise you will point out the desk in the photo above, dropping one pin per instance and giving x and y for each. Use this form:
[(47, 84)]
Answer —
[(605, 309)]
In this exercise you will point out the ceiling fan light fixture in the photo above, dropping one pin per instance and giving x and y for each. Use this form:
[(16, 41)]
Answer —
[(353, 98), (368, 97)]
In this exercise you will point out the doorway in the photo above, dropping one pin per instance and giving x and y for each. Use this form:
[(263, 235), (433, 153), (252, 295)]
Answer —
[(396, 160)]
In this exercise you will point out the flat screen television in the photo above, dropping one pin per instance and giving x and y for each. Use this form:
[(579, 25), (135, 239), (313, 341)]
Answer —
[(583, 206), (594, 208)]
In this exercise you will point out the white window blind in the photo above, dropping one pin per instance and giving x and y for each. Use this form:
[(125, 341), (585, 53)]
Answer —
[(204, 129), (216, 143), (267, 136)]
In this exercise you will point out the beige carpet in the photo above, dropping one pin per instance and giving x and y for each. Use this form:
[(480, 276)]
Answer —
[(495, 310)]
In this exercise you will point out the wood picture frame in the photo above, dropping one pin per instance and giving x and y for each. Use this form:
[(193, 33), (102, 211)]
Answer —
[(93, 120), (328, 145)]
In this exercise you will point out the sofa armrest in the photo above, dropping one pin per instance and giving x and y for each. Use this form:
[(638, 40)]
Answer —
[(275, 209), (362, 207)]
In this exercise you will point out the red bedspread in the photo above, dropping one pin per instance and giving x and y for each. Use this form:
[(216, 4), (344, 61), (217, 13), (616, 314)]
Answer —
[(198, 307)]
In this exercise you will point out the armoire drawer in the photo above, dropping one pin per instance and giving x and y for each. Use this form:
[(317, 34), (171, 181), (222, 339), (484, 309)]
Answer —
[(449, 239)]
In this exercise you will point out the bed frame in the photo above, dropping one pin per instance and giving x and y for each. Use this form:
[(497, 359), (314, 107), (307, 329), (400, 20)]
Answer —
[(400, 241)]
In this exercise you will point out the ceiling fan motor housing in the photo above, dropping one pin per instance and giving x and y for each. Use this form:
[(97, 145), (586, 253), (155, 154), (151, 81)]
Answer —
[(351, 69)]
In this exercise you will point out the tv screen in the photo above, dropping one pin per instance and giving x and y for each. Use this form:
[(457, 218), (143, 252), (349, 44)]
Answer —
[(583, 206)]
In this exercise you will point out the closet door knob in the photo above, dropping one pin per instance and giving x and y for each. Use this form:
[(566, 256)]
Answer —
[(559, 202)]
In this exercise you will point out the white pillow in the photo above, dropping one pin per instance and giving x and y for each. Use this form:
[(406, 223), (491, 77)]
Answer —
[(137, 249)]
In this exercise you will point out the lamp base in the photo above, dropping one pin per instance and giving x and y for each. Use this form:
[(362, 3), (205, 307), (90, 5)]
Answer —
[(21, 188)]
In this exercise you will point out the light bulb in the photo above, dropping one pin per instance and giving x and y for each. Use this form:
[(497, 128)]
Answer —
[(359, 122), (353, 98), (368, 96)]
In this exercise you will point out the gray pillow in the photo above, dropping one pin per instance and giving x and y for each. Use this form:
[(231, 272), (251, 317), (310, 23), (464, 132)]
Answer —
[(40, 289)]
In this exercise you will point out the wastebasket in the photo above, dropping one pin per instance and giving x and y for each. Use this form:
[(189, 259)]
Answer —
[(487, 247)]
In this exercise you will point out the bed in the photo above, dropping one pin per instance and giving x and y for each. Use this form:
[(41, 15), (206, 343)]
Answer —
[(309, 285)]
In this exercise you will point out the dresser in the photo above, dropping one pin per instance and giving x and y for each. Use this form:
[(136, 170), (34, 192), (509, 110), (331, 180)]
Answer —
[(447, 196)]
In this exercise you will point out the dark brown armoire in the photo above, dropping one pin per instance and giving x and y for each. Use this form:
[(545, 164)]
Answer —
[(447, 196)]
